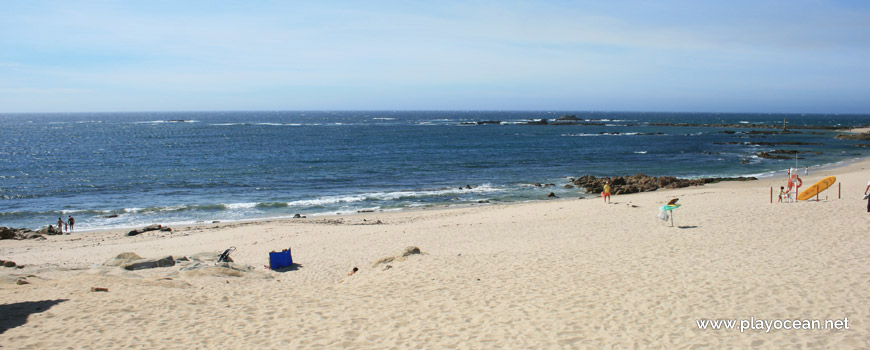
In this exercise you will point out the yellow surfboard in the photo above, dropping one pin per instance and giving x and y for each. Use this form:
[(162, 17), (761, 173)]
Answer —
[(818, 187)]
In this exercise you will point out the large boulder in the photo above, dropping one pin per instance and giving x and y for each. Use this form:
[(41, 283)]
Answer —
[(19, 233), (7, 233)]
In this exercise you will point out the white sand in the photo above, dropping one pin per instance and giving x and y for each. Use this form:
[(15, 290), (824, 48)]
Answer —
[(549, 274), (859, 130)]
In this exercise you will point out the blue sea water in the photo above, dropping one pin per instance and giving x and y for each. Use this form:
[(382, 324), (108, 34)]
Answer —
[(114, 170)]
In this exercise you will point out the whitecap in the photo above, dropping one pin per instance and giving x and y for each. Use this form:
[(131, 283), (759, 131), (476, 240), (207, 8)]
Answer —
[(248, 205)]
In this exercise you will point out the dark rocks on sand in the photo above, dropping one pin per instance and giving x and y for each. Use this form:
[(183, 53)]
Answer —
[(411, 250), (7, 233), (148, 228), (20, 233), (551, 195), (8, 264), (644, 183), (142, 264)]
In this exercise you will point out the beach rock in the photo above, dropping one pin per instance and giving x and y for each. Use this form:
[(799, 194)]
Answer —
[(862, 137), (567, 117), (643, 183), (154, 227), (19, 233), (410, 250), (142, 264), (8, 264), (7, 233), (551, 195), (34, 236), (21, 281), (122, 259), (51, 230)]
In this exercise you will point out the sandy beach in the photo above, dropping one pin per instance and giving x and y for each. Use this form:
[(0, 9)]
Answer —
[(563, 273)]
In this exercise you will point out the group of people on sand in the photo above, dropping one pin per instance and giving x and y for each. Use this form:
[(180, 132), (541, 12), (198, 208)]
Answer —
[(66, 226)]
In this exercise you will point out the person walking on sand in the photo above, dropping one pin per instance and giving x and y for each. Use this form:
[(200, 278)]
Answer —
[(60, 225), (606, 193), (781, 193), (71, 222)]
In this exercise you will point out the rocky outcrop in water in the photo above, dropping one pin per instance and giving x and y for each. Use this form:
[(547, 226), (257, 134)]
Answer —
[(861, 137), (644, 183), (783, 154)]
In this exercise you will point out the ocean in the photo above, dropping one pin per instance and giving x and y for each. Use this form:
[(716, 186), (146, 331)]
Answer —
[(113, 170)]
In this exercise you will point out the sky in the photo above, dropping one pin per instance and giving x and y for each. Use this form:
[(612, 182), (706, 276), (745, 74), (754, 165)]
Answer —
[(796, 56)]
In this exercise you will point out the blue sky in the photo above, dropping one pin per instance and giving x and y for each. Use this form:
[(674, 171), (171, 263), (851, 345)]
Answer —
[(725, 56)]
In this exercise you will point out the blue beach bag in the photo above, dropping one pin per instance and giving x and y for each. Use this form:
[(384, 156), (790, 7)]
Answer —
[(278, 260)]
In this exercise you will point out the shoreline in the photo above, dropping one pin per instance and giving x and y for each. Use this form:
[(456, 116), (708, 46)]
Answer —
[(760, 177), (541, 274), (768, 180)]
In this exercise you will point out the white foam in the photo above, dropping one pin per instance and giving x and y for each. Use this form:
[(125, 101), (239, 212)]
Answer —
[(240, 205), (326, 200)]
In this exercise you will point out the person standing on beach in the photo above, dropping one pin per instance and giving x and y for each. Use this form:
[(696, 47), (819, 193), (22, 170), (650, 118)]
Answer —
[(606, 193), (865, 194), (71, 222), (60, 225)]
